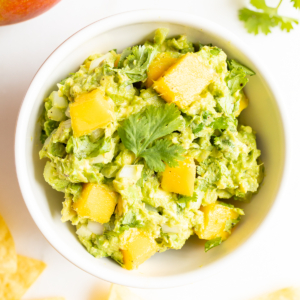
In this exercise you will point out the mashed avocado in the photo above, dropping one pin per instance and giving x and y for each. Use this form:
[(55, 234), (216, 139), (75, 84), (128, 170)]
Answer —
[(146, 147)]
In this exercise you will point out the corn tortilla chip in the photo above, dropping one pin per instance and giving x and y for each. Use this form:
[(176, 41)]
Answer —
[(283, 294), (8, 256), (118, 292), (14, 286)]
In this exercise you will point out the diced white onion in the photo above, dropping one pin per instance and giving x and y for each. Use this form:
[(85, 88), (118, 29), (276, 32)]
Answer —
[(47, 140), (131, 171), (96, 62), (59, 102), (129, 87), (67, 112), (97, 133), (66, 124), (166, 229), (98, 159), (150, 207), (95, 227), (55, 114), (84, 232)]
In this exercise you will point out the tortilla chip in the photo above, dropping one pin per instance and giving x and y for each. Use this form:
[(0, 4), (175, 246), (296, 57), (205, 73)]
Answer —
[(8, 256), (14, 286), (283, 294), (118, 292)]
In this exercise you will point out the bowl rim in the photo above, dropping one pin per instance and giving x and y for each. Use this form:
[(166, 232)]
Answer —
[(78, 38)]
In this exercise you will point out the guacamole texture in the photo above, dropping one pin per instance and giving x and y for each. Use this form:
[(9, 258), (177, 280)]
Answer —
[(147, 148)]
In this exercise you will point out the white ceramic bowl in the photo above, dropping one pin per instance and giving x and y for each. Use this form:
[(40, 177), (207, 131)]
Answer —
[(171, 268)]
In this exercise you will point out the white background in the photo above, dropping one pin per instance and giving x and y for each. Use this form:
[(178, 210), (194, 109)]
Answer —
[(273, 259)]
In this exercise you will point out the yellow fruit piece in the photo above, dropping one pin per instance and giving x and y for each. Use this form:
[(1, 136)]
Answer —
[(118, 292), (244, 102), (184, 79), (181, 179), (139, 247), (91, 111), (117, 60), (96, 202), (215, 217), (159, 65), (8, 256), (14, 286)]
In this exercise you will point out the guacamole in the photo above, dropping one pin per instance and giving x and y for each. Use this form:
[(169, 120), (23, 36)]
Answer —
[(147, 148)]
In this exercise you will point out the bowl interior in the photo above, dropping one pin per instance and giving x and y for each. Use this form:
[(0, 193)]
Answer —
[(165, 269)]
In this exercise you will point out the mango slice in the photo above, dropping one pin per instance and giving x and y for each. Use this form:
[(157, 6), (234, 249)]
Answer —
[(186, 78), (215, 217), (91, 111), (159, 65), (96, 202), (139, 247), (244, 102), (181, 179)]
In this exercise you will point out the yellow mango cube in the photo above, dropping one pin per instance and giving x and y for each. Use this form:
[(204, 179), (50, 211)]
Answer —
[(97, 202), (158, 66), (180, 179), (139, 247), (91, 111), (186, 78), (215, 217), (244, 102)]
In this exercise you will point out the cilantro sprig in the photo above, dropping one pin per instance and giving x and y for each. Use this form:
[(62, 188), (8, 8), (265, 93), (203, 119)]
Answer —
[(265, 17), (142, 132)]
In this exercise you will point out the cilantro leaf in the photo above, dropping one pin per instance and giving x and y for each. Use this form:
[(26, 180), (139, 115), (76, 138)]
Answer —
[(134, 62), (212, 243), (237, 79), (182, 201), (233, 64), (296, 3), (162, 151), (266, 17), (140, 130)]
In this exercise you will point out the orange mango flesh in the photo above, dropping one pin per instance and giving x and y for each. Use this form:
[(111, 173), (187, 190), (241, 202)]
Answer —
[(180, 179), (215, 217), (138, 249), (159, 65), (117, 60), (244, 102), (91, 111), (183, 80), (96, 202)]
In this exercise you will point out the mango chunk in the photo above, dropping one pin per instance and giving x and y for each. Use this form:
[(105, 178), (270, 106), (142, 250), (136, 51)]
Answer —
[(181, 179), (139, 247), (244, 102), (159, 65), (96, 202), (91, 111), (215, 217), (186, 78)]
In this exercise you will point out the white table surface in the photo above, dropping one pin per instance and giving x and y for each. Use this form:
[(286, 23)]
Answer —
[(273, 259)]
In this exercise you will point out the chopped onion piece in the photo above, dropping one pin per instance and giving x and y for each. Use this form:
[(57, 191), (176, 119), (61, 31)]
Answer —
[(59, 102), (67, 112), (55, 114), (131, 171), (95, 227), (166, 229), (66, 124), (84, 232), (150, 207), (98, 159), (96, 62), (97, 133)]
